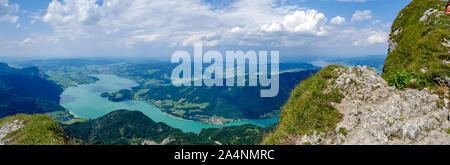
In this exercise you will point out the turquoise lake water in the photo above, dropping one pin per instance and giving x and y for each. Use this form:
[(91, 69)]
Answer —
[(85, 101)]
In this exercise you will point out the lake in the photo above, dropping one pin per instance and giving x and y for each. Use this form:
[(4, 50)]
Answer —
[(85, 101)]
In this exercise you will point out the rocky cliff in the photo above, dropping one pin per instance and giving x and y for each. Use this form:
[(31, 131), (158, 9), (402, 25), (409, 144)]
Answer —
[(408, 104)]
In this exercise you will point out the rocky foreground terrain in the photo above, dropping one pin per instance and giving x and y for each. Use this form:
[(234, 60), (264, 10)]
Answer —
[(8, 127), (375, 113), (36, 129)]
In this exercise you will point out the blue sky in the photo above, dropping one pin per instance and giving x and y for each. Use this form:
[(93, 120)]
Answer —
[(92, 28)]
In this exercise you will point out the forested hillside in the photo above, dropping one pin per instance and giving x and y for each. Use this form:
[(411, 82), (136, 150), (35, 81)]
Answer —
[(26, 91), (133, 127)]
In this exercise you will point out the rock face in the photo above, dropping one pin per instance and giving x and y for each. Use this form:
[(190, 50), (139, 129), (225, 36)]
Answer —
[(427, 13), (375, 113), (7, 128), (164, 142)]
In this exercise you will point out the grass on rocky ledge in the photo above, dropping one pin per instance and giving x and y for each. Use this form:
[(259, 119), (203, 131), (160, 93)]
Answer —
[(37, 130), (308, 109), (420, 52)]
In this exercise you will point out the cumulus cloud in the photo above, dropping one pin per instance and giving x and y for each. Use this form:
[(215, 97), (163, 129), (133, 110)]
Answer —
[(303, 22), (370, 37), (175, 23), (273, 27), (338, 20), (138, 20), (86, 12), (361, 15), (181, 23), (7, 10), (236, 30), (377, 37)]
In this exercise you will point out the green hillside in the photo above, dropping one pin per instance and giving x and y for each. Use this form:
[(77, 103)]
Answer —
[(418, 47), (308, 108), (35, 130), (25, 91)]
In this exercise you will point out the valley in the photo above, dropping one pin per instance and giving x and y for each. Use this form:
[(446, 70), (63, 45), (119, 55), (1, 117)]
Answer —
[(91, 90), (190, 103), (85, 102)]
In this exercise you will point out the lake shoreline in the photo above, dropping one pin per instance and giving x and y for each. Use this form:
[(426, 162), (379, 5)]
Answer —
[(89, 104)]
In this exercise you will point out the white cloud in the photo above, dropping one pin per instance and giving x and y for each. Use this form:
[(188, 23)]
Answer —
[(273, 27), (134, 23), (6, 11), (369, 37), (208, 39), (148, 38), (361, 15), (236, 30), (165, 20), (377, 37), (25, 41), (347, 36), (181, 23), (306, 22), (309, 22), (376, 21), (338, 20)]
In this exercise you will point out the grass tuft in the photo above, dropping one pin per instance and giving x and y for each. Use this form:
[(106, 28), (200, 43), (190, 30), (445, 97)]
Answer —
[(308, 109)]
